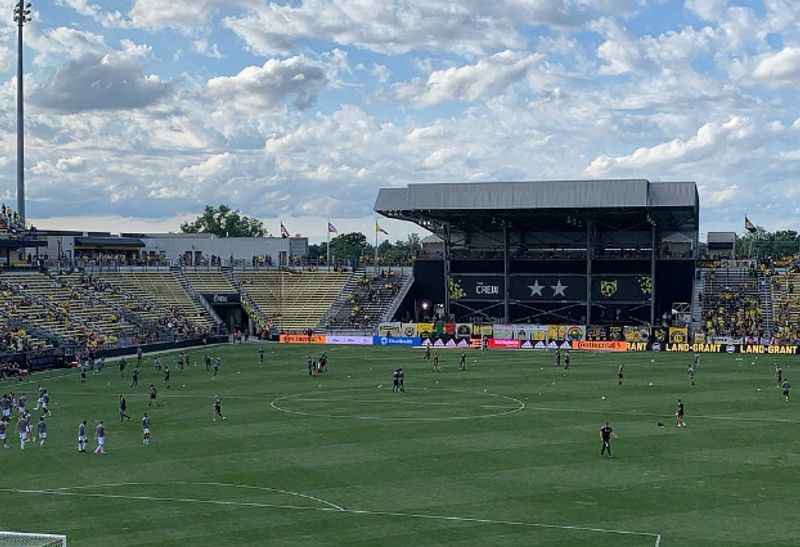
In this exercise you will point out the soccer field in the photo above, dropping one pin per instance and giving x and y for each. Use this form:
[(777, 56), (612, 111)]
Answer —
[(504, 454)]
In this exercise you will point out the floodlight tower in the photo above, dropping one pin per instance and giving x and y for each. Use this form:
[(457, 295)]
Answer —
[(22, 15)]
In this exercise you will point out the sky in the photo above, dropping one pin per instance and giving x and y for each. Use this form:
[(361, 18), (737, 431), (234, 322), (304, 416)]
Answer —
[(141, 112)]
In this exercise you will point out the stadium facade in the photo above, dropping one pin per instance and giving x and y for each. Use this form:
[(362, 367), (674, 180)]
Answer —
[(575, 251)]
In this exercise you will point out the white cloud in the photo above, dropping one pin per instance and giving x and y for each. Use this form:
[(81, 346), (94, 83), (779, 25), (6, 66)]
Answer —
[(64, 42), (202, 47), (109, 19), (710, 10), (782, 67), (112, 81), (270, 85), (487, 77), (708, 139), (212, 166)]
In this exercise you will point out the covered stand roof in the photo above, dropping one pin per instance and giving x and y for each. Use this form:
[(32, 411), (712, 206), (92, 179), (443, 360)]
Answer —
[(674, 205)]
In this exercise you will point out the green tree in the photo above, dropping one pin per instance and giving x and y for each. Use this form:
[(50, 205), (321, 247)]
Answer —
[(349, 246), (223, 221)]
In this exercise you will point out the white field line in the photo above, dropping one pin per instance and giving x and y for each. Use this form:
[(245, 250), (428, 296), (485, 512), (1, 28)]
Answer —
[(665, 416), (364, 512)]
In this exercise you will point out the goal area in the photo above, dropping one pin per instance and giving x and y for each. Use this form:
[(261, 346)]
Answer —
[(23, 539)]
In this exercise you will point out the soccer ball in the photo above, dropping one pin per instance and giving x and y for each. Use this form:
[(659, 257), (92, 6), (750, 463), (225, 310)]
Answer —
[(380, 386), (651, 384), (603, 397)]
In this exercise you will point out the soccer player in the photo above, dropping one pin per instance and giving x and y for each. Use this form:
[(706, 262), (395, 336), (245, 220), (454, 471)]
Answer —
[(696, 362), (606, 432), (323, 362), (22, 430), (680, 413), (207, 359), (436, 362), (427, 353), (135, 377), (787, 388), (566, 360), (41, 431), (157, 363), (100, 434), (690, 372), (396, 380), (184, 360), (83, 374), (122, 364), (462, 362), (217, 364), (146, 430), (40, 391), (46, 403), (166, 376), (261, 354), (82, 439), (123, 409), (779, 375), (5, 406), (402, 380), (139, 354), (557, 358), (620, 375), (311, 367), (153, 395), (3, 428), (216, 410)]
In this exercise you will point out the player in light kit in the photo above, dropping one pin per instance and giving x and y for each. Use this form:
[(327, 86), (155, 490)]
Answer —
[(620, 375), (135, 377), (22, 430), (157, 363), (787, 388), (100, 434), (146, 430), (139, 354), (46, 403), (3, 429), (216, 410), (606, 433), (217, 364), (696, 362), (82, 439), (690, 372), (41, 431), (680, 414)]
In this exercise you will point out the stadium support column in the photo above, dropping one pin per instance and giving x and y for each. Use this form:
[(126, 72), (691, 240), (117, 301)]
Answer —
[(446, 269), (589, 253), (506, 268), (653, 273), (22, 15)]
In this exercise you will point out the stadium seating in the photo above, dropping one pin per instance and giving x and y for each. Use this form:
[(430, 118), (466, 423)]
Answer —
[(293, 300), (365, 300), (786, 306), (163, 291), (209, 282), (735, 301)]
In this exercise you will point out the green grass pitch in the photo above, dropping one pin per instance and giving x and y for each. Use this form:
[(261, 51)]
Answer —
[(504, 454)]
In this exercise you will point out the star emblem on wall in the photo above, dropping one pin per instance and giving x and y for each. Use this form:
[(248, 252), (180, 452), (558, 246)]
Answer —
[(559, 289), (536, 289)]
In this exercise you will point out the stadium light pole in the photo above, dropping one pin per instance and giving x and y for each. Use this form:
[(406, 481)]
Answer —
[(22, 15)]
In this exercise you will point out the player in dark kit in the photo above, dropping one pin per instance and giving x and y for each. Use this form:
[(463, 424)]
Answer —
[(216, 410), (402, 380), (620, 375), (787, 388), (606, 433), (166, 375), (427, 353), (396, 380), (122, 363), (436, 362), (123, 409), (462, 362), (680, 413), (557, 361), (153, 395), (779, 375), (261, 354), (135, 377), (566, 360), (139, 354)]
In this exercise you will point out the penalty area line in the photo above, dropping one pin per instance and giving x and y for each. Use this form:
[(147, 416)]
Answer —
[(337, 509)]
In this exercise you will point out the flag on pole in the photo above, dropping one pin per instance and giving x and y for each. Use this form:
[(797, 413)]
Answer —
[(332, 229), (284, 231), (380, 230), (749, 226)]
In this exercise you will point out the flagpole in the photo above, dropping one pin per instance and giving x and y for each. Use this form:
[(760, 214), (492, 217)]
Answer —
[(376, 246), (328, 230)]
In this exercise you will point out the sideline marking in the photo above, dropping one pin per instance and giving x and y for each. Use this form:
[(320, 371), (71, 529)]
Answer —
[(299, 397), (665, 416), (365, 512)]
